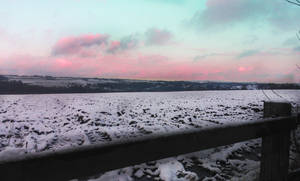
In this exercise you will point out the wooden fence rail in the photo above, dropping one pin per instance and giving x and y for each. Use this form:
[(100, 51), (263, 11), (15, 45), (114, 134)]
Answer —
[(85, 161)]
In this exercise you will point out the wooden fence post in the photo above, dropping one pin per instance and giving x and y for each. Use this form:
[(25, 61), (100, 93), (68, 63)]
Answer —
[(275, 148)]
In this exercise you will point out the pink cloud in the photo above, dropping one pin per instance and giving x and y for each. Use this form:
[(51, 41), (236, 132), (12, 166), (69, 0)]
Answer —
[(158, 37), (244, 69), (114, 46), (71, 45), (63, 63), (139, 65), (90, 45)]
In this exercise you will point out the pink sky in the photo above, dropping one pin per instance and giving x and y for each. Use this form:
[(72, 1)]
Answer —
[(186, 40)]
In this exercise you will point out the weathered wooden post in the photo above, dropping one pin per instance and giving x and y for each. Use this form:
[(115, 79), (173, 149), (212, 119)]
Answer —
[(275, 147)]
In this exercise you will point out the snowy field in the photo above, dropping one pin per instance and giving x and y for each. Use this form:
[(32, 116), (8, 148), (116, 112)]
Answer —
[(35, 123)]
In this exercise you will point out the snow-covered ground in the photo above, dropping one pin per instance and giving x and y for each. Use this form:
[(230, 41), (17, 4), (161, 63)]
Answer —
[(35, 123)]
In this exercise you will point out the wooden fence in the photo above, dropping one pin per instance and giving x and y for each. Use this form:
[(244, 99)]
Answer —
[(85, 161)]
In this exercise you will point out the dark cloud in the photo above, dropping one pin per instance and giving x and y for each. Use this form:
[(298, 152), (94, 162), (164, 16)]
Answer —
[(126, 43), (227, 13), (156, 36), (129, 42)]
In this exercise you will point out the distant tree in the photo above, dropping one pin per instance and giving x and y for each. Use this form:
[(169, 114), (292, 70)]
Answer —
[(3, 77)]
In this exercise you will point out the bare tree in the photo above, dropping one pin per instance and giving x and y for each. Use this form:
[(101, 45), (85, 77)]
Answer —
[(296, 2)]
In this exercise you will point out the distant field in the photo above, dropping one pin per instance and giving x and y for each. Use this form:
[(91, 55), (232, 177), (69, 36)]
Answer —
[(34, 123), (13, 84)]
